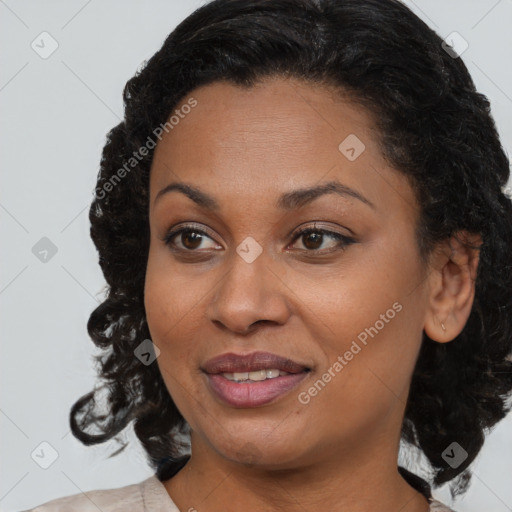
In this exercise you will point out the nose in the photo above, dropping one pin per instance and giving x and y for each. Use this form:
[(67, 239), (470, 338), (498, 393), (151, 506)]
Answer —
[(248, 295)]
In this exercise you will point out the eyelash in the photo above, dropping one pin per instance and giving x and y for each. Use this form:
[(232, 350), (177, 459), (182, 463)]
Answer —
[(343, 241)]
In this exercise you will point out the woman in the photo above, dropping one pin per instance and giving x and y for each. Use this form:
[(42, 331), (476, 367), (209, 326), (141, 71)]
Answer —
[(302, 224)]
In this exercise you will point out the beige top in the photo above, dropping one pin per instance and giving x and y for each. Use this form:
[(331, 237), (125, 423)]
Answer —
[(149, 495)]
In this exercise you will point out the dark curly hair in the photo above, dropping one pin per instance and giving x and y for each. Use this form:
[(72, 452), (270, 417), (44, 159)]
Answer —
[(434, 127)]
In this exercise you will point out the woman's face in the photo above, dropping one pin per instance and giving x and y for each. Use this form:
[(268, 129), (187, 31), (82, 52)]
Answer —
[(345, 301)]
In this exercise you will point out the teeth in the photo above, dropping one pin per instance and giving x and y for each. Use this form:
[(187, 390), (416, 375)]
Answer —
[(258, 375), (255, 376)]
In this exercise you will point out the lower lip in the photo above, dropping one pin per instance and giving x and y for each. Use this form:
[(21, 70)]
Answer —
[(253, 394)]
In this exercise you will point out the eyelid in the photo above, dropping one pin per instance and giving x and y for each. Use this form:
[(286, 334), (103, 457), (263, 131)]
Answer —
[(320, 226), (189, 226), (331, 226)]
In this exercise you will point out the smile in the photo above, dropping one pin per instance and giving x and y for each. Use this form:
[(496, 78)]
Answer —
[(252, 380)]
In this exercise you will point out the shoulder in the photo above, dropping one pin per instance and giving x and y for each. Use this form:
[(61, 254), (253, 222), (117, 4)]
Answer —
[(129, 497), (437, 506)]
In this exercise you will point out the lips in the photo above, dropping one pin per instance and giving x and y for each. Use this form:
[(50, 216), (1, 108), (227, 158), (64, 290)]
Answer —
[(252, 380), (234, 363)]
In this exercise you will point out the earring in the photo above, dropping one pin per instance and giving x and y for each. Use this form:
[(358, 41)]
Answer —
[(443, 327)]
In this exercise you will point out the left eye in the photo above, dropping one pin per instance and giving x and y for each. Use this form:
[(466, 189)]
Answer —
[(313, 239)]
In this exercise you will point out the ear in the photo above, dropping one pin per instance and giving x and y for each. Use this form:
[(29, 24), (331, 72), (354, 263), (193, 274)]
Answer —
[(451, 285)]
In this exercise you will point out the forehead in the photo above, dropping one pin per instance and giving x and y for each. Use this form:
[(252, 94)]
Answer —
[(291, 109), (278, 134)]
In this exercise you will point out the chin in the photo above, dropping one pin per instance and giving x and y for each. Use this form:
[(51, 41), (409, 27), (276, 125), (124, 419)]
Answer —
[(259, 451)]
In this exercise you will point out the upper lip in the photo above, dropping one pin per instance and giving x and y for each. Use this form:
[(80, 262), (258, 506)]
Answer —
[(231, 363)]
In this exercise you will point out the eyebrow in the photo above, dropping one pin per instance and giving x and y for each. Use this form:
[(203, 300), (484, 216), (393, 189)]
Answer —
[(288, 201)]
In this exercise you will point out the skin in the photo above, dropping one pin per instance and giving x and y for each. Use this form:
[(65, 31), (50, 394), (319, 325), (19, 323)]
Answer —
[(245, 148)]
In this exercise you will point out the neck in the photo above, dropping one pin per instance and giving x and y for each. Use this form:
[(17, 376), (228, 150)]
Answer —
[(368, 480)]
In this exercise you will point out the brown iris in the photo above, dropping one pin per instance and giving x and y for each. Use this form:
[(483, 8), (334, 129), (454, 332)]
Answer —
[(312, 240), (191, 239)]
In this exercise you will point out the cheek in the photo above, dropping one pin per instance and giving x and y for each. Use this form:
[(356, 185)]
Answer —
[(370, 316), (171, 321), (172, 307), (365, 378), (171, 296)]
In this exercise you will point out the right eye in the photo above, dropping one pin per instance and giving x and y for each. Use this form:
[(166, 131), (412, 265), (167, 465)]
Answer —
[(190, 239)]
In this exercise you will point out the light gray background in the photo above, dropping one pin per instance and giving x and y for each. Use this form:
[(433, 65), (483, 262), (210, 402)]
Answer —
[(55, 114)]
